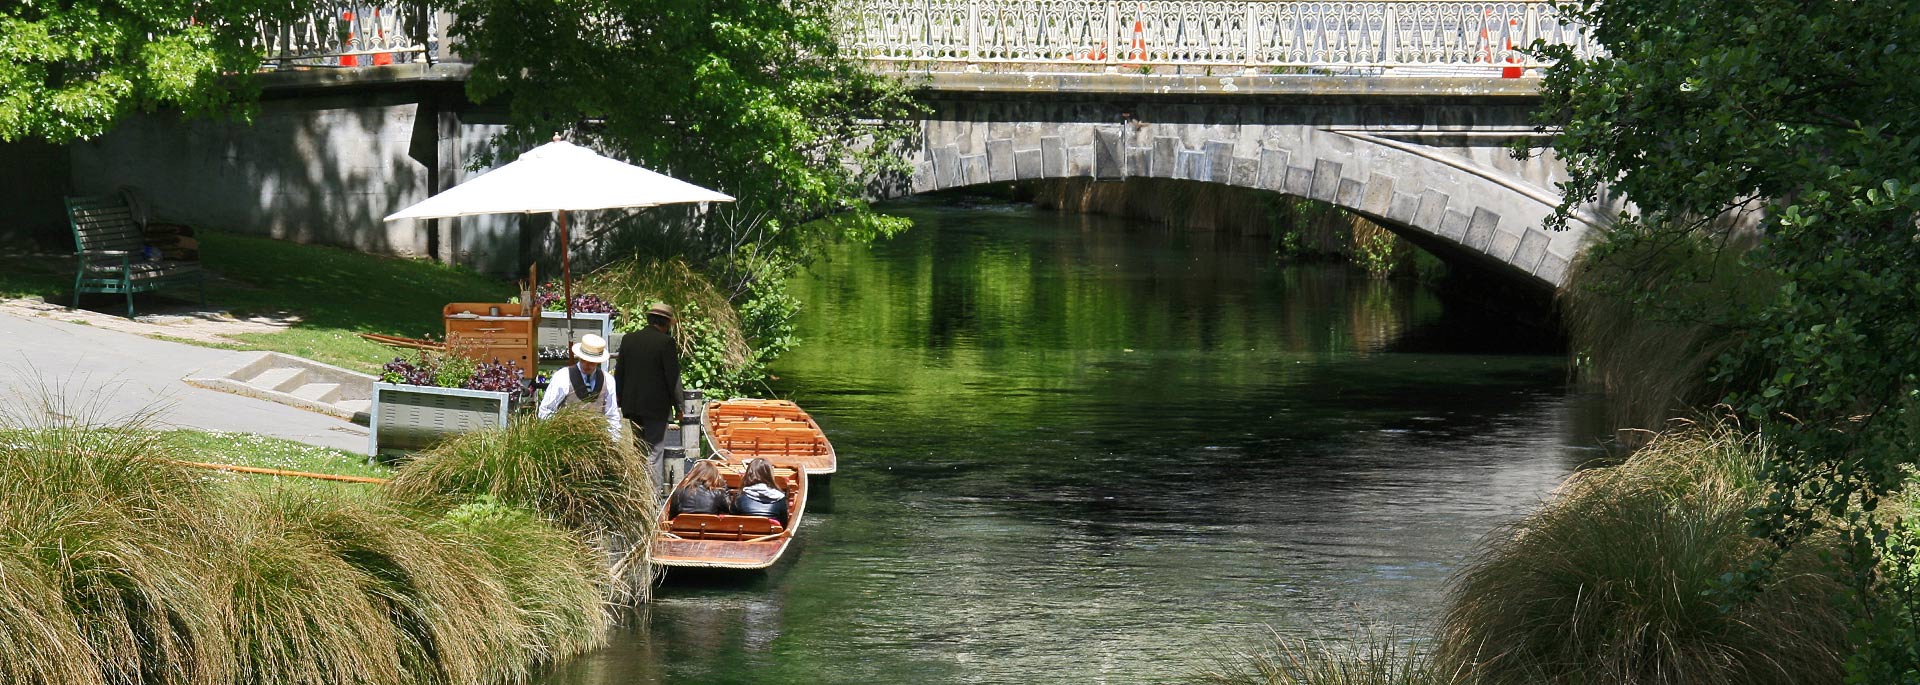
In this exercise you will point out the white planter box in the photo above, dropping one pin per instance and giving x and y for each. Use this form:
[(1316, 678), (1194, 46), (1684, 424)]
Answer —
[(406, 418), (553, 328)]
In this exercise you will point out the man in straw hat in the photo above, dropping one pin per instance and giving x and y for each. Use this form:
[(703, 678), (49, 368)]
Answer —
[(649, 375), (582, 382)]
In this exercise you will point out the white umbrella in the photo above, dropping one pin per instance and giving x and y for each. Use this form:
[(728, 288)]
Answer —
[(559, 177)]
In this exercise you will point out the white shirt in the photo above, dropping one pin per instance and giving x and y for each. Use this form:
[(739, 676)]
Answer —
[(560, 393)]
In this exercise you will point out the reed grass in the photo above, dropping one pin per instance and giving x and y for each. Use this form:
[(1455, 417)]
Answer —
[(1648, 321), (298, 612), (1300, 661), (557, 585), (87, 518), (454, 613), (1618, 579), (565, 467), (631, 285), (119, 567)]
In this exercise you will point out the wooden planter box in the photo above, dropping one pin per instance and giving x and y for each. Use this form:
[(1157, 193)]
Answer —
[(553, 328), (406, 418), (473, 329)]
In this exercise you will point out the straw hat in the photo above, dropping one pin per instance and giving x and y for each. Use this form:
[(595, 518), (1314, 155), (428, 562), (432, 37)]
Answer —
[(591, 348), (661, 309)]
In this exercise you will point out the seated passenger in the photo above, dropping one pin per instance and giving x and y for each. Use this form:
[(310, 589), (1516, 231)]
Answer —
[(758, 494), (705, 492)]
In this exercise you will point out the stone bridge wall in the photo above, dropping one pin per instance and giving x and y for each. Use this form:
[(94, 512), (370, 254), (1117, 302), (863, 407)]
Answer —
[(1435, 168)]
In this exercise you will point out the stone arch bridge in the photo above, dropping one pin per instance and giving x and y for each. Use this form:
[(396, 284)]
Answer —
[(1428, 158), (1401, 111)]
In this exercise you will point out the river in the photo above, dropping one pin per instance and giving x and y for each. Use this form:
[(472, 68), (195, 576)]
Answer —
[(1077, 449)]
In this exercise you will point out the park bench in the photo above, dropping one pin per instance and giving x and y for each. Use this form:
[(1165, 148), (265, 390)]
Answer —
[(110, 246)]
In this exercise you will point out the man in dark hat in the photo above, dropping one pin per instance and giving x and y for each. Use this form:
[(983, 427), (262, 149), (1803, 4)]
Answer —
[(649, 379)]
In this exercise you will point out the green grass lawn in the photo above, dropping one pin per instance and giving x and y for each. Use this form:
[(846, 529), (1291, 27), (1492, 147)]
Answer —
[(337, 294), (248, 449)]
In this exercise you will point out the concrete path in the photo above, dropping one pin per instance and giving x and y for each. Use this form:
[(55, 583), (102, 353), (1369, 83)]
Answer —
[(109, 374)]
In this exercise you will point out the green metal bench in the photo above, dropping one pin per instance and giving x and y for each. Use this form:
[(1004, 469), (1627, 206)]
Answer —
[(108, 245)]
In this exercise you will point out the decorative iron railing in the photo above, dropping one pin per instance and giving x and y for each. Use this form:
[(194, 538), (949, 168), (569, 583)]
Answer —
[(1383, 36), (1388, 37), (354, 34)]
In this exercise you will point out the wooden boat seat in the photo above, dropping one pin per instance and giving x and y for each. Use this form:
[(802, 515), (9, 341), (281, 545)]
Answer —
[(785, 479), (722, 527)]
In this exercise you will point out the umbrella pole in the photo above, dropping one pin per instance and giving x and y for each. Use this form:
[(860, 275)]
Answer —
[(566, 273)]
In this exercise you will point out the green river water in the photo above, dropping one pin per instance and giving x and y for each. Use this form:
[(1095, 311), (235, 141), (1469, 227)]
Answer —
[(1081, 450)]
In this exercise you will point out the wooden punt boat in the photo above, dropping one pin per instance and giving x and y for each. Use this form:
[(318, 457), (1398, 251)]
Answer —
[(728, 540), (775, 430)]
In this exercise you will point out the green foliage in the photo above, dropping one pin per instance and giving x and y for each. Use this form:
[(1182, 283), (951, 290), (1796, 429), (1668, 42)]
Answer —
[(750, 97), (1374, 249), (726, 339), (1890, 644), (1807, 111), (1620, 577), (68, 70)]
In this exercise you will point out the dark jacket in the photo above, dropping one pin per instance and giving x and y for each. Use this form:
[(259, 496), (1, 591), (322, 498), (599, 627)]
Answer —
[(696, 499), (761, 500), (648, 375)]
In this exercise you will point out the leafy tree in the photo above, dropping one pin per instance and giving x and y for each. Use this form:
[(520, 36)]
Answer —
[(1810, 111), (752, 97), (69, 68)]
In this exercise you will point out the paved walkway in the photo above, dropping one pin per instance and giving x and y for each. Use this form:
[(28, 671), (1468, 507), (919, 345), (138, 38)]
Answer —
[(107, 374)]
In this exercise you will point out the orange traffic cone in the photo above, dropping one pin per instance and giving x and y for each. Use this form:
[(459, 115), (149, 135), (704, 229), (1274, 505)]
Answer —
[(1513, 58), (380, 59), (349, 60), (1139, 41)]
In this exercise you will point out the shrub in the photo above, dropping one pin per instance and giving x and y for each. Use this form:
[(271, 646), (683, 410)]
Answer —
[(726, 339), (1617, 579), (1294, 661)]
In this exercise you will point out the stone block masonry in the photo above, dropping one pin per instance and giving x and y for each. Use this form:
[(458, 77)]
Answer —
[(1414, 166)]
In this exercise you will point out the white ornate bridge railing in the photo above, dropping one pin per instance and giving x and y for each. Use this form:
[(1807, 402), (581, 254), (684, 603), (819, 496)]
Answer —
[(1383, 37), (355, 34), (1378, 37)]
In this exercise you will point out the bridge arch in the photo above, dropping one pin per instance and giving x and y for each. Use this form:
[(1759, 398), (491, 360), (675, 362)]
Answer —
[(1434, 170)]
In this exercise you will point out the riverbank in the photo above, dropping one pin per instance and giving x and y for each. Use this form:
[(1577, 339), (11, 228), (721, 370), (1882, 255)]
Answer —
[(123, 566)]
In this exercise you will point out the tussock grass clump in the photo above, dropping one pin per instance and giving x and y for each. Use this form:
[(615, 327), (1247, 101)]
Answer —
[(633, 284), (1648, 322), (1616, 579), (556, 585), (98, 582), (119, 567), (454, 613), (565, 467), (298, 612), (1297, 661)]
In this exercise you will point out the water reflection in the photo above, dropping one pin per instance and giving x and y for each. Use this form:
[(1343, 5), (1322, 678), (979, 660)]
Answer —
[(1076, 449)]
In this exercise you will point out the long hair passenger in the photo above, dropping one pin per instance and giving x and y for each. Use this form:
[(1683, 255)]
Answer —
[(703, 492), (759, 495)]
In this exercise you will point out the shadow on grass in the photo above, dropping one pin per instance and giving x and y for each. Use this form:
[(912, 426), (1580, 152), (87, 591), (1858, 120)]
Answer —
[(329, 294)]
